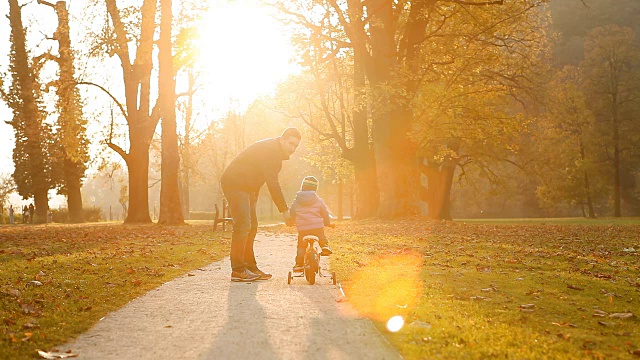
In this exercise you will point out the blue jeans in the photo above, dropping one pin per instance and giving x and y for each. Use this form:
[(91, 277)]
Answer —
[(242, 205)]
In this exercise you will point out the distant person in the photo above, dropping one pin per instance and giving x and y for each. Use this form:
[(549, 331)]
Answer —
[(32, 212), (11, 215), (311, 215), (49, 216), (241, 181), (25, 214)]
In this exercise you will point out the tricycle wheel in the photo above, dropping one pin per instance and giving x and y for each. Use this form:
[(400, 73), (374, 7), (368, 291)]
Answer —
[(310, 275), (289, 278)]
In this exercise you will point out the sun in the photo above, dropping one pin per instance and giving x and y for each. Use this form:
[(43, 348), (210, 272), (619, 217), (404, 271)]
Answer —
[(244, 52)]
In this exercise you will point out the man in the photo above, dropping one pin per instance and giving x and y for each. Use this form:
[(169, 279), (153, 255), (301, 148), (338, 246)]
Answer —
[(241, 181)]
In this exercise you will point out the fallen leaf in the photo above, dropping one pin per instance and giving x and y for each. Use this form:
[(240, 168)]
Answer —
[(55, 355), (527, 306), (29, 309), (635, 352), (574, 287), (191, 274), (603, 323), (420, 324), (599, 313), (622, 315)]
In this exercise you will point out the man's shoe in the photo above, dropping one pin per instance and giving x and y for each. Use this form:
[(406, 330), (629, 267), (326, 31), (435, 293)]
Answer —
[(326, 251), (298, 268), (244, 276), (261, 274)]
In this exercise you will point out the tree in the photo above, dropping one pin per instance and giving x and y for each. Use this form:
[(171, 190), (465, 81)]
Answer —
[(331, 97), (129, 36), (32, 152), (612, 69), (71, 126), (170, 206), (7, 186), (401, 46), (568, 157)]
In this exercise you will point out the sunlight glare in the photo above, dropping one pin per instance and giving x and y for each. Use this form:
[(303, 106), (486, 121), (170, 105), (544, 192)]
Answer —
[(244, 52), (395, 323)]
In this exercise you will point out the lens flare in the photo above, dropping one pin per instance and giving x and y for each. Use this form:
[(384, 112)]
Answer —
[(395, 323), (386, 286)]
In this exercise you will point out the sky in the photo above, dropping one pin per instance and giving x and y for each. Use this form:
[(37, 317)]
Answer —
[(244, 54)]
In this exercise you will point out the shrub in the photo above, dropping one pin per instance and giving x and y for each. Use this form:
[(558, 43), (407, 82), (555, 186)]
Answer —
[(91, 214)]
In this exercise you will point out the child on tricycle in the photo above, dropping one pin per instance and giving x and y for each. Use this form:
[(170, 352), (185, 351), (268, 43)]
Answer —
[(310, 215)]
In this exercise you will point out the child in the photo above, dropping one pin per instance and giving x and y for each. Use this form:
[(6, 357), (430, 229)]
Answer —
[(311, 216)]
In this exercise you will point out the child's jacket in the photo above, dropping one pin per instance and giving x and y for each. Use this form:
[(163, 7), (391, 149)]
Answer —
[(309, 211)]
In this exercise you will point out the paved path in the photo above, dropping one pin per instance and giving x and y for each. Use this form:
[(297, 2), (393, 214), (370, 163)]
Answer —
[(206, 316)]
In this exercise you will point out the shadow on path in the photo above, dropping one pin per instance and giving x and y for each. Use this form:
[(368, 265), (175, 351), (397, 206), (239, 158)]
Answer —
[(245, 330)]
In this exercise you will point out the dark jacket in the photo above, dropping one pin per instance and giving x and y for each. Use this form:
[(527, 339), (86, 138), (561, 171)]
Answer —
[(255, 165), (309, 211)]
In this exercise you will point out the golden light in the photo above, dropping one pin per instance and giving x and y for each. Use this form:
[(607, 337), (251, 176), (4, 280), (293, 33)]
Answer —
[(244, 52), (387, 286), (395, 323)]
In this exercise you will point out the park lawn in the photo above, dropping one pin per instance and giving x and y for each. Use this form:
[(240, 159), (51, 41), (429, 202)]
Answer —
[(495, 290), (56, 281)]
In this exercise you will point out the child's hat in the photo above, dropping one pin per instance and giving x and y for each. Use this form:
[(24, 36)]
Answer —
[(309, 183)]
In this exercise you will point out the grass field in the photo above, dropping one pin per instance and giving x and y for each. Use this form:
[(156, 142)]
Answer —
[(522, 289), (554, 221), (467, 289), (56, 281)]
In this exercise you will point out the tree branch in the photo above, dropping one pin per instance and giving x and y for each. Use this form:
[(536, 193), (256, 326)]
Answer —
[(473, 3), (119, 150), (124, 112), (43, 2)]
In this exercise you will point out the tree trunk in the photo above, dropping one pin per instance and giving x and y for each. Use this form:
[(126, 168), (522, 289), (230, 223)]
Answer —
[(186, 153), (340, 199), (406, 172), (170, 206), (437, 194), (383, 56), (31, 174), (616, 159), (363, 159), (587, 186), (71, 122), (74, 196), (138, 166)]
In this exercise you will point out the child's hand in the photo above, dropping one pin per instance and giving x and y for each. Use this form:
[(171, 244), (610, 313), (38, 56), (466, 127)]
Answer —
[(288, 220)]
